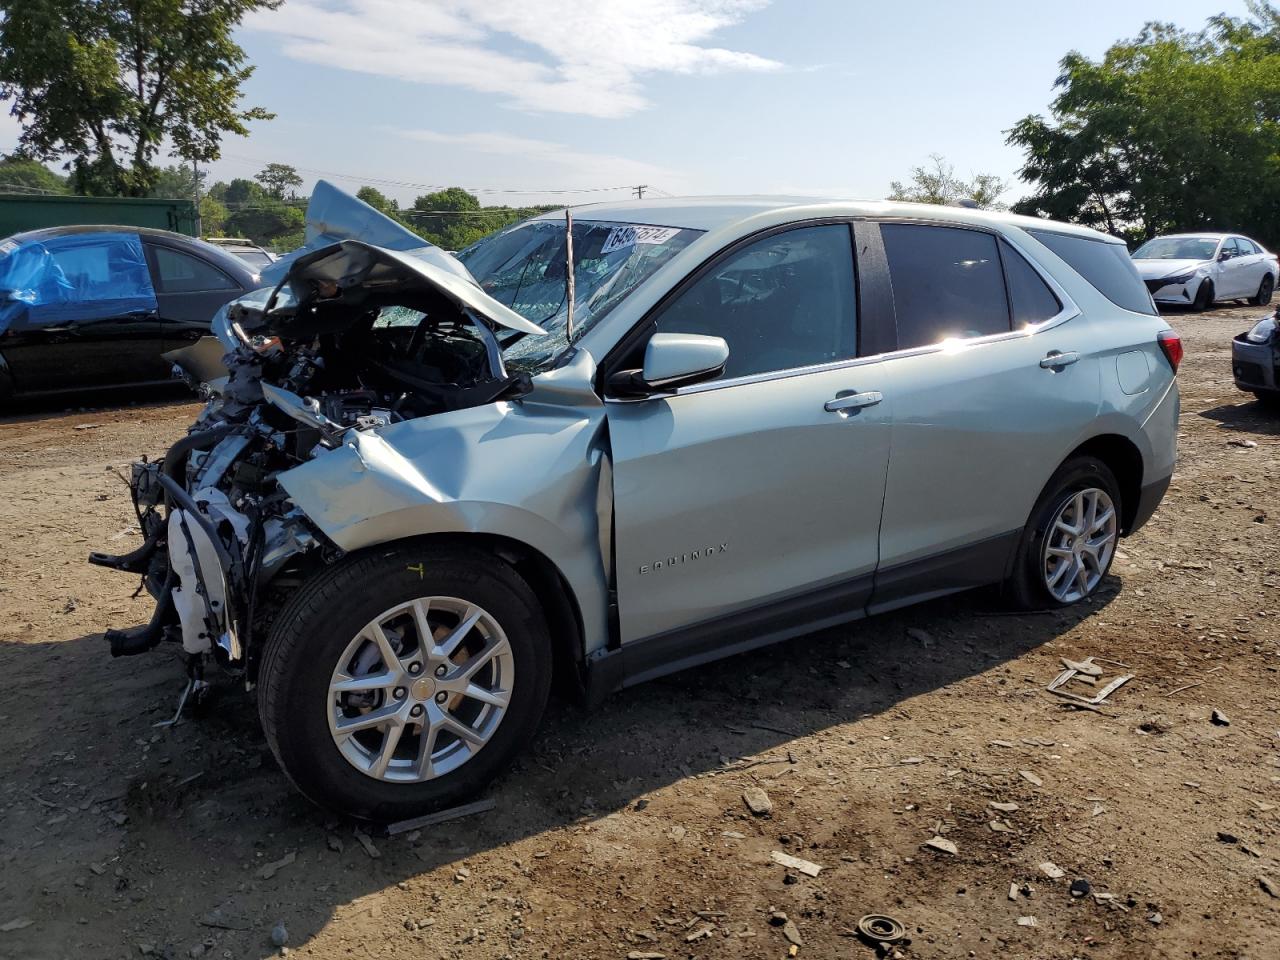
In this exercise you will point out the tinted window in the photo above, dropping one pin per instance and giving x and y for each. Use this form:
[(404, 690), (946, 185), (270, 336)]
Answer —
[(781, 302), (1105, 265), (180, 273), (947, 283), (1032, 300), (1247, 247)]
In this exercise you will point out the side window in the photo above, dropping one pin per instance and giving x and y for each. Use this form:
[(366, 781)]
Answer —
[(1247, 247), (1106, 265), (947, 283), (784, 301), (181, 273), (1030, 296)]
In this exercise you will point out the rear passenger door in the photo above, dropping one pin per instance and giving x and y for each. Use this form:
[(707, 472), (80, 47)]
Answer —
[(984, 405), (189, 291)]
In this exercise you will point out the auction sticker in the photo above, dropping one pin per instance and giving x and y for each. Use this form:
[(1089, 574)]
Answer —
[(629, 236)]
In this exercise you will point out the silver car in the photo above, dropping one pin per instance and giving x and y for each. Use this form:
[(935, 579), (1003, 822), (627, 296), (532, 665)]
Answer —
[(1198, 269), (418, 493)]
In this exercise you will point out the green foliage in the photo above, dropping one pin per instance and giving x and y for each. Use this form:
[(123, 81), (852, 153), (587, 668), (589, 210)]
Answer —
[(108, 82), (177, 182), (453, 218), (238, 192), (453, 198), (939, 184), (213, 217), (379, 201), (1170, 131), (18, 174), (266, 222), (277, 178)]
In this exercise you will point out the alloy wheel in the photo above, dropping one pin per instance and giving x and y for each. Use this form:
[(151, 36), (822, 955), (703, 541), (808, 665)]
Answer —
[(1079, 544), (421, 689)]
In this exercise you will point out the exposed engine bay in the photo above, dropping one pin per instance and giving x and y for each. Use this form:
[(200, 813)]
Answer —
[(354, 338)]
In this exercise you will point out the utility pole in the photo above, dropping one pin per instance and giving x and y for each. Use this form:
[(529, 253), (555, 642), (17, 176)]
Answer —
[(195, 192), (639, 191)]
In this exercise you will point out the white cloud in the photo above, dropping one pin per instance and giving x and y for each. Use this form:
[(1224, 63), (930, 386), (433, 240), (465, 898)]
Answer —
[(587, 57), (554, 160)]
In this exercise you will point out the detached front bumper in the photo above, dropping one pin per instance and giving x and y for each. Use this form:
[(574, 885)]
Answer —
[(1256, 366)]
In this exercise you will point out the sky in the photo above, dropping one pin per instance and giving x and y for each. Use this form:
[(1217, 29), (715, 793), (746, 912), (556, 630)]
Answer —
[(567, 101)]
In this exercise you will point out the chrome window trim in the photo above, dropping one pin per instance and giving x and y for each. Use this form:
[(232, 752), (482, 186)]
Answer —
[(1068, 312)]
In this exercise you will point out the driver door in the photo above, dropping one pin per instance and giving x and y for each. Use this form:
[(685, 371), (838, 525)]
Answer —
[(752, 502)]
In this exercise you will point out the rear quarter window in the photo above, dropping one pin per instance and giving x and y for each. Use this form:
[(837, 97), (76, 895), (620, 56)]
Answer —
[(1105, 265)]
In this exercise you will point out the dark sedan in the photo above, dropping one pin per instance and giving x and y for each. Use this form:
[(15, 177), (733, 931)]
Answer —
[(95, 306)]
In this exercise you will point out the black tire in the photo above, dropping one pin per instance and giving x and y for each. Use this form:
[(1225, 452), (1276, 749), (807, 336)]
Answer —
[(1265, 290), (1204, 297), (1025, 588), (313, 631)]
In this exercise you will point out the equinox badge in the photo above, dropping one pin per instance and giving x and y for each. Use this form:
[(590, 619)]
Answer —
[(700, 554)]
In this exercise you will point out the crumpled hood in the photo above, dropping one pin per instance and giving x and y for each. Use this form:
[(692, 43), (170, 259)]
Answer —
[(354, 265), (1158, 269)]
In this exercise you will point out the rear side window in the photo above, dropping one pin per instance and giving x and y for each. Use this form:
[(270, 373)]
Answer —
[(180, 273), (947, 283), (1030, 296), (1105, 265)]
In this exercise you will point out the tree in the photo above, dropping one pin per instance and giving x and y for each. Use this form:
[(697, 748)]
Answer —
[(378, 200), (277, 178), (18, 175), (179, 182), (939, 184), (1170, 131), (213, 217), (109, 82), (240, 192), (264, 223), (453, 199)]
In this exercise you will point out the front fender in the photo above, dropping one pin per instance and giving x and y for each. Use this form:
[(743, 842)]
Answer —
[(528, 472)]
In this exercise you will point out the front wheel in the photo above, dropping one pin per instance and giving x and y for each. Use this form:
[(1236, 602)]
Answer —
[(402, 680), (1204, 297), (1070, 539), (1265, 289)]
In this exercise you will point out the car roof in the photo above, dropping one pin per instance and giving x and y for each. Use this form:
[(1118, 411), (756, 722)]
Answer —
[(1195, 236), (711, 213), (226, 261)]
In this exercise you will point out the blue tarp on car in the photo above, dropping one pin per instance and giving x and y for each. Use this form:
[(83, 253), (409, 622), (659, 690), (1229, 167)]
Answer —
[(79, 276)]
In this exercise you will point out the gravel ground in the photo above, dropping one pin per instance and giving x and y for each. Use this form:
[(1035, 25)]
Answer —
[(624, 832)]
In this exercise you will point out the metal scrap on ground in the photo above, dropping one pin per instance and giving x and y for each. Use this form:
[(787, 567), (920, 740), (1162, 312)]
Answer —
[(1087, 671), (443, 816)]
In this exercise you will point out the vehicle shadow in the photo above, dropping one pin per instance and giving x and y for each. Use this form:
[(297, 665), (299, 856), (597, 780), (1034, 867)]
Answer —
[(38, 408), (1247, 417), (190, 836)]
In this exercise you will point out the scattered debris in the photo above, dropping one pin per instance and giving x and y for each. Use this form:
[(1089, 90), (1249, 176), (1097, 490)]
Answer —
[(1155, 919), (335, 843), (807, 867), (881, 928), (792, 933), (1088, 672), (87, 426), (279, 934), (1220, 719), (443, 816), (362, 838), (943, 844), (1013, 891), (645, 955), (757, 801), (1002, 807), (1225, 837), (777, 918), (1030, 777), (1027, 922), (699, 934), (921, 637), (20, 924), (999, 826), (1233, 442), (1052, 870), (1270, 886), (1080, 888), (271, 869)]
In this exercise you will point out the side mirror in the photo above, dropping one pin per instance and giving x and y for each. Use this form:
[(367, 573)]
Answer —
[(673, 360), (1224, 255)]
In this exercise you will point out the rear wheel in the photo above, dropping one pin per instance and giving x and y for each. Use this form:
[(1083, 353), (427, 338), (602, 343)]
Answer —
[(1265, 289), (1204, 297), (1070, 539), (403, 680)]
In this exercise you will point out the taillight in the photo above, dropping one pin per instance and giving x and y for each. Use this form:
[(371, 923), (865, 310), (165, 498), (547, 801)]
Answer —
[(1171, 347)]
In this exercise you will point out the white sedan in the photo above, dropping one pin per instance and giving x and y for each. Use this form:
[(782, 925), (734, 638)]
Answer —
[(1196, 269)]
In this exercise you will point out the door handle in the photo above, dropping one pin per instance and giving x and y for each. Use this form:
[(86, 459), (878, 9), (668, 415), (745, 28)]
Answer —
[(853, 401), (1057, 360)]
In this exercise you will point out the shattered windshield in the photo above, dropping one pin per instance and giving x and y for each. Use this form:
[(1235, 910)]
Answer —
[(1177, 248), (524, 268)]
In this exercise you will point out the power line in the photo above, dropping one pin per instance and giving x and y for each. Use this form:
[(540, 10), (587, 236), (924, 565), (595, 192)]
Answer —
[(386, 181)]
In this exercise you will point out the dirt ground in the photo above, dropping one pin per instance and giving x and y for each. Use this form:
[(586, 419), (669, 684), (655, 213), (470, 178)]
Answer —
[(624, 832)]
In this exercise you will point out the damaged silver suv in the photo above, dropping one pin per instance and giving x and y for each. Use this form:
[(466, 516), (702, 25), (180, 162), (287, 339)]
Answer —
[(607, 450)]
